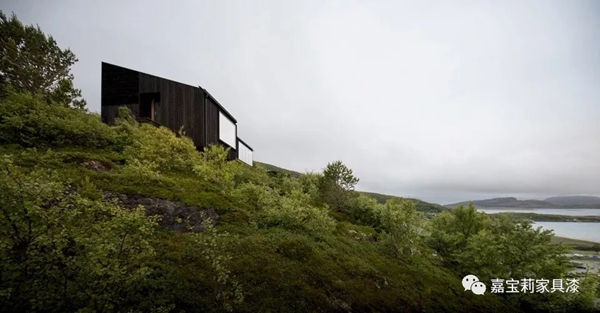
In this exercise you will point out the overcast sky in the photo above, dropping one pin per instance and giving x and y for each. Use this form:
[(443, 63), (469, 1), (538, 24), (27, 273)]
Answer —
[(440, 100)]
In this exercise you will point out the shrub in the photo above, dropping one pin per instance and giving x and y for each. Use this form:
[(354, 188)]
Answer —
[(364, 210), (256, 174), (63, 251), (156, 149), (292, 214), (255, 197), (29, 121), (309, 183), (214, 168), (403, 227), (228, 291)]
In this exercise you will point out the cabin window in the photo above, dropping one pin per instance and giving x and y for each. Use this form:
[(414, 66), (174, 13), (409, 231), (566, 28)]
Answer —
[(148, 103), (244, 153), (227, 130)]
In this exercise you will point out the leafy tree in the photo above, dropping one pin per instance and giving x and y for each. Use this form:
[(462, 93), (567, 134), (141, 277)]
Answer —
[(336, 184), (451, 231), (498, 247), (403, 227), (32, 61), (340, 175)]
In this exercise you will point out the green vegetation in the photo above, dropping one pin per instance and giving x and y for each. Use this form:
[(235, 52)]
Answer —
[(381, 198), (308, 243), (32, 62), (420, 205), (273, 168), (579, 246)]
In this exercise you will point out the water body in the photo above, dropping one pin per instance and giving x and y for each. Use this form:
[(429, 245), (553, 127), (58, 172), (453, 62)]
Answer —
[(574, 230), (570, 212)]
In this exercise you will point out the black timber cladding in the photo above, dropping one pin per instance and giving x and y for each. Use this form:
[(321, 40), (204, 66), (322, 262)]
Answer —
[(177, 105), (119, 88)]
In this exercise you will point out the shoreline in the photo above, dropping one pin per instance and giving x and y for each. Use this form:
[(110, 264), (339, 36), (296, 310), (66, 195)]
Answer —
[(574, 241), (536, 217)]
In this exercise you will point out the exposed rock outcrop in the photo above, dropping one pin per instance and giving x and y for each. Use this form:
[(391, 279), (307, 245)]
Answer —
[(175, 216)]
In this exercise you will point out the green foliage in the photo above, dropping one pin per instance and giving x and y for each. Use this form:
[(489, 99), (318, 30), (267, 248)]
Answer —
[(256, 175), (292, 213), (275, 248), (452, 230), (228, 291), (420, 205), (276, 169), (336, 184), (364, 210), (404, 228), (470, 242), (214, 168), (64, 251), (26, 120), (295, 248), (341, 175), (309, 184), (255, 197), (156, 149), (33, 62)]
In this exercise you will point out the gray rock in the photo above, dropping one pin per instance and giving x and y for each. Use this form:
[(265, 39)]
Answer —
[(175, 216)]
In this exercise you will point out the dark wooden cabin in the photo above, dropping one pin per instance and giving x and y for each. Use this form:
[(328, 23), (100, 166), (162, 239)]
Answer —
[(171, 104)]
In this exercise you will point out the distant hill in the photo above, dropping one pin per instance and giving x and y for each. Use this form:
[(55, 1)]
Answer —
[(381, 198), (574, 200), (508, 202), (511, 202), (421, 205), (274, 168)]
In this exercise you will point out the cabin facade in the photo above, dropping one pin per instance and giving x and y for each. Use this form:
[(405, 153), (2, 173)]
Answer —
[(163, 102)]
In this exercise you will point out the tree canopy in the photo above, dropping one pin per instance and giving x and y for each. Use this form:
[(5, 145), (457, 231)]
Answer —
[(31, 61)]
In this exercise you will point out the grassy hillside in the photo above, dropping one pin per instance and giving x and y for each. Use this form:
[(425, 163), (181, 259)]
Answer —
[(229, 238), (381, 198), (574, 200), (277, 169)]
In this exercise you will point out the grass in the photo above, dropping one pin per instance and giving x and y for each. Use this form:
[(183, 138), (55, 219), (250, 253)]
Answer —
[(584, 247), (572, 242), (280, 270), (551, 217)]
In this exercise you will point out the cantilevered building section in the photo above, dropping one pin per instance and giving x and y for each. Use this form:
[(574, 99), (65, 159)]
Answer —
[(163, 102)]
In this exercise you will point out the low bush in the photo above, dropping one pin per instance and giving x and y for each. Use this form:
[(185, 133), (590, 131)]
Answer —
[(156, 149), (295, 215), (29, 121), (63, 251)]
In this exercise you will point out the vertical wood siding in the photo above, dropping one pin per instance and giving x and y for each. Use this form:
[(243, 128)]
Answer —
[(212, 122), (179, 105), (119, 87)]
